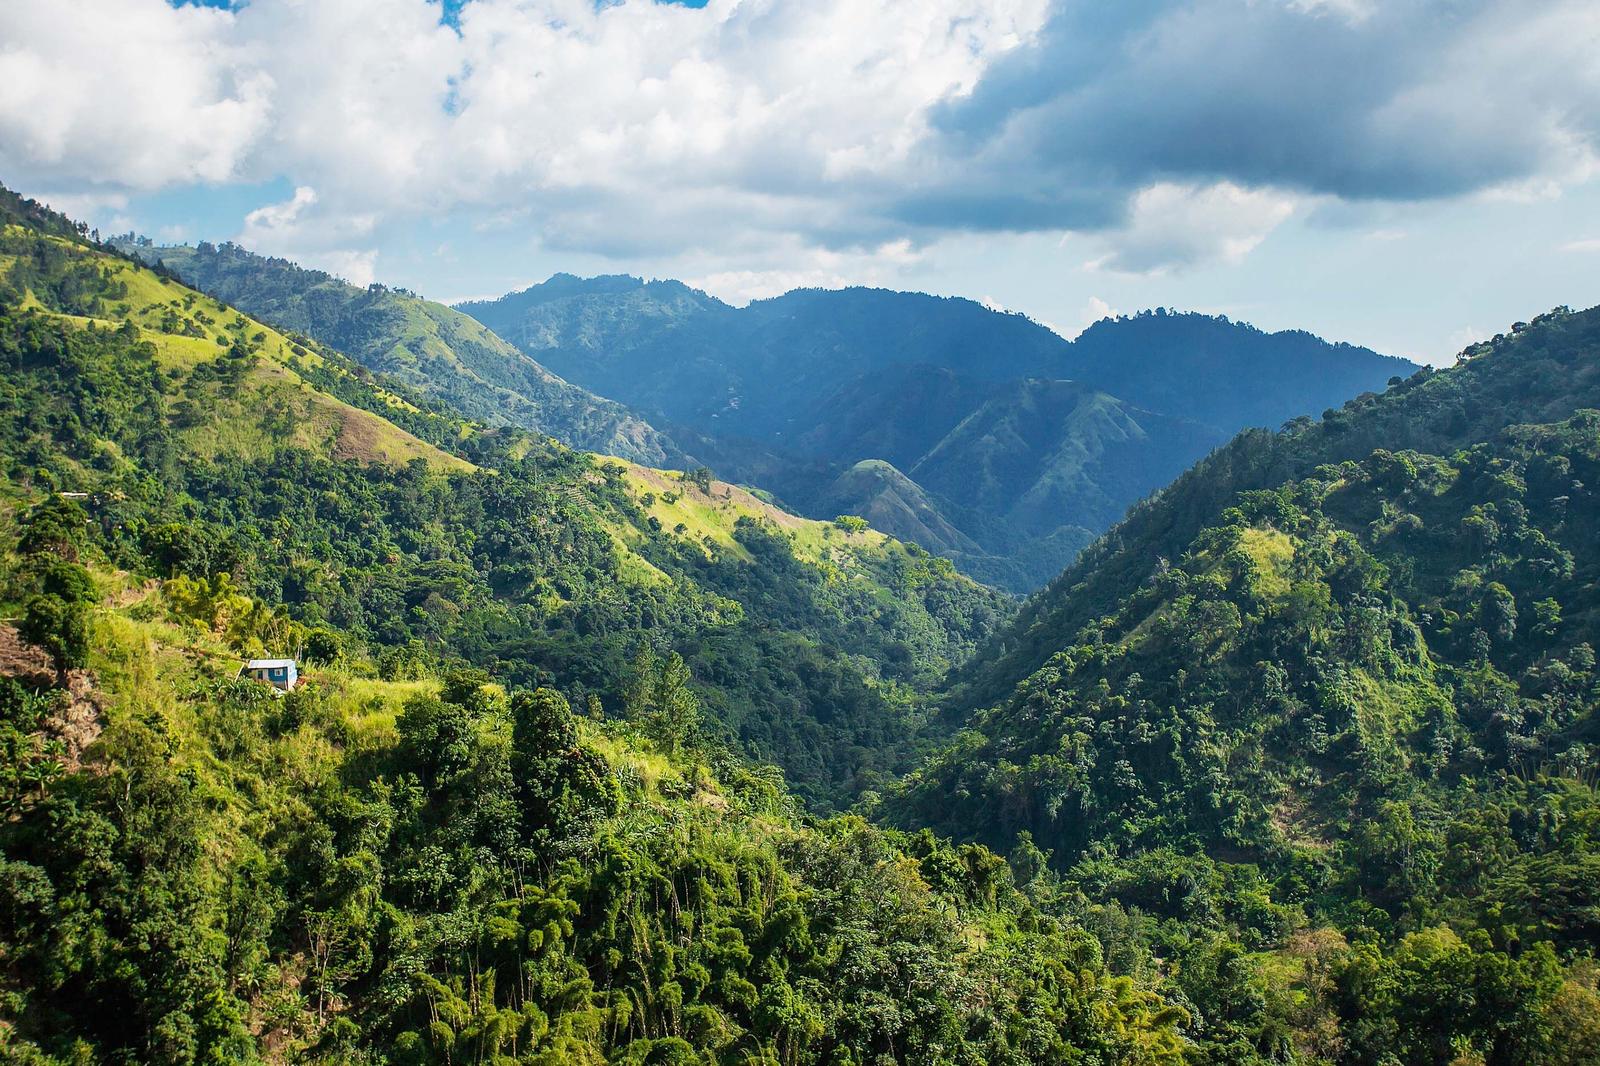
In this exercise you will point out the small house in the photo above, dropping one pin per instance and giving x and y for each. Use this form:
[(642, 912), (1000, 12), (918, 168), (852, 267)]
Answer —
[(279, 673)]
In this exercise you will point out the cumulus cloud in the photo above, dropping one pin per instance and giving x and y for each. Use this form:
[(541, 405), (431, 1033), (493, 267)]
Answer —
[(138, 94), (1171, 226), (294, 229), (809, 268), (639, 128), (1094, 311), (1405, 100)]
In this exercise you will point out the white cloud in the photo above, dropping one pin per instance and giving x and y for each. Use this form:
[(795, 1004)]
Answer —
[(808, 268), (1587, 244), (1093, 311), (294, 230), (127, 92), (356, 267), (646, 129), (608, 122), (276, 217), (1173, 226)]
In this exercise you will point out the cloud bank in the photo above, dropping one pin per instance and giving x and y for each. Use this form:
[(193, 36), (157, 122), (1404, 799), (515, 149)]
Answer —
[(1171, 132)]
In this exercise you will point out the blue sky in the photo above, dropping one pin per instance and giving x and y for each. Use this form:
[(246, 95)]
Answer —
[(1409, 174)]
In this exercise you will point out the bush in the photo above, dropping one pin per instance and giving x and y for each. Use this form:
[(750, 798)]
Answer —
[(60, 627)]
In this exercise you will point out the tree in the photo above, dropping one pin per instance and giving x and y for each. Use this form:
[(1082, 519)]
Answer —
[(60, 627), (28, 760), (700, 477), (54, 527), (660, 701)]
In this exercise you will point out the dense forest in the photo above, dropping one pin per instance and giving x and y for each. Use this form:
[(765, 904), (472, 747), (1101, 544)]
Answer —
[(1348, 723), (217, 448), (600, 763)]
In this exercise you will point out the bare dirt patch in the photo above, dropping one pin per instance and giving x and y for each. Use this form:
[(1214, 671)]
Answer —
[(80, 717), (25, 662)]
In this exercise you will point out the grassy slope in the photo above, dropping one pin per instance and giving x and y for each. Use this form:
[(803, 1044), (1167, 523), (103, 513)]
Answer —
[(424, 344), (188, 329), (711, 517)]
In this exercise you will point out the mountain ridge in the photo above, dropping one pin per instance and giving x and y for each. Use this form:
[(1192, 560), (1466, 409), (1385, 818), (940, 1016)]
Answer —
[(790, 392), (421, 342)]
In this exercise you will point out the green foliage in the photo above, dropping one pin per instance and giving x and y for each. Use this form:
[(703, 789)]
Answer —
[(1333, 763), (499, 882), (29, 760), (59, 626), (660, 701), (540, 564), (437, 355)]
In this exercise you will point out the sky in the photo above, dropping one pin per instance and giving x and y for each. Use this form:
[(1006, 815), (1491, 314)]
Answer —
[(1412, 175)]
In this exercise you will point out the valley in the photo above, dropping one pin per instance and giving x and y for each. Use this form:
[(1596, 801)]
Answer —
[(596, 760)]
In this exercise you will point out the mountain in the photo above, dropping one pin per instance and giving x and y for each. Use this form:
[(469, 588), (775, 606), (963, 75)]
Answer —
[(410, 858), (1531, 380), (793, 392), (1227, 375), (873, 489), (212, 444), (426, 345), (1332, 695)]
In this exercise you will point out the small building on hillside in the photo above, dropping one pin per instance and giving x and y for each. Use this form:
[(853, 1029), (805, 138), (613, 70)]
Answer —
[(279, 673)]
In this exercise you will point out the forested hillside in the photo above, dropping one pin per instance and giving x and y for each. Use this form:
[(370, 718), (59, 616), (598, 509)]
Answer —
[(440, 870), (1330, 700), (213, 445), (1532, 375), (410, 860), (426, 345), (793, 393)]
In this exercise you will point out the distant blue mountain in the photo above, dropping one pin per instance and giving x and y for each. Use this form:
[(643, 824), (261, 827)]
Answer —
[(995, 440)]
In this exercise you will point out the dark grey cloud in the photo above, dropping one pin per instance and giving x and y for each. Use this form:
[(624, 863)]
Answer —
[(1392, 100)]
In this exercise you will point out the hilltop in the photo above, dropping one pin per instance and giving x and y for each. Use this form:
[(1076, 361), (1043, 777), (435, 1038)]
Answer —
[(431, 348)]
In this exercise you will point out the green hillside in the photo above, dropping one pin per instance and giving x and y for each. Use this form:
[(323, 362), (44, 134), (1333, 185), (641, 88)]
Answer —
[(809, 647), (239, 388), (437, 871), (426, 345), (1535, 374), (410, 860), (1345, 724)]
